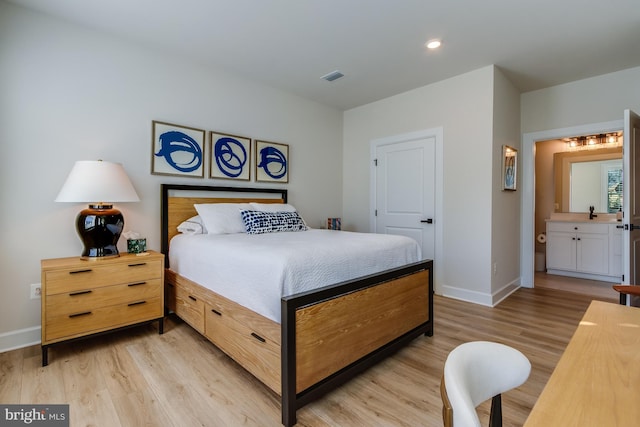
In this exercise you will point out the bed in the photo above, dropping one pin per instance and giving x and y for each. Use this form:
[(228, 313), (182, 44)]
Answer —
[(320, 336)]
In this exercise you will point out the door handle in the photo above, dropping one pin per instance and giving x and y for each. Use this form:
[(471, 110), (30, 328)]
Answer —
[(428, 220)]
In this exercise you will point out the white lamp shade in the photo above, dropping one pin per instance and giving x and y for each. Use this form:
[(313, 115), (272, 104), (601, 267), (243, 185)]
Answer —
[(92, 181)]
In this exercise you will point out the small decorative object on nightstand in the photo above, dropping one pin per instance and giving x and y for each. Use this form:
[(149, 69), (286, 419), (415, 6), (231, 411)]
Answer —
[(82, 298)]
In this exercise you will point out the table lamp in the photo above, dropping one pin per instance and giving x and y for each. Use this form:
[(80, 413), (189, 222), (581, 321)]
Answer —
[(100, 184)]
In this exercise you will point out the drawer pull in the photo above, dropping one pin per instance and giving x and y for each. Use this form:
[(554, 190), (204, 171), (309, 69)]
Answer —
[(136, 284), (85, 313), (80, 271), (216, 312), (136, 303), (170, 285), (73, 294), (191, 297), (258, 337), (138, 265)]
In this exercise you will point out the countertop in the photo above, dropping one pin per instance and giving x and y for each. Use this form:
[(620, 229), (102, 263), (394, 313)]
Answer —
[(601, 218)]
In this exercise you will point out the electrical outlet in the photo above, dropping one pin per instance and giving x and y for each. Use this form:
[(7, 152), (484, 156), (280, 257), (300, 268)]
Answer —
[(35, 290), (495, 268)]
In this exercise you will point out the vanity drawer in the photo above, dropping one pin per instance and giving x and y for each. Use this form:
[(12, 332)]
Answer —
[(578, 227)]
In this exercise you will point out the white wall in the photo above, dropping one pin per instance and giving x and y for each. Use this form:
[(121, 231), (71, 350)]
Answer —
[(69, 93), (505, 217), (462, 106), (594, 100)]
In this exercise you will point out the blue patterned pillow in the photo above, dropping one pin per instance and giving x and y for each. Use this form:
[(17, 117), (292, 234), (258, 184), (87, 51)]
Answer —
[(257, 222)]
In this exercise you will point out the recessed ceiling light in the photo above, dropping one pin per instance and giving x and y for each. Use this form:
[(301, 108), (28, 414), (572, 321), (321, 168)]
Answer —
[(433, 44)]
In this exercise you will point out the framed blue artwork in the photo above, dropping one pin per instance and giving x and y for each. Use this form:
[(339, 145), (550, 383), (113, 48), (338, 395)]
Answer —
[(272, 162), (177, 150), (230, 156), (509, 168)]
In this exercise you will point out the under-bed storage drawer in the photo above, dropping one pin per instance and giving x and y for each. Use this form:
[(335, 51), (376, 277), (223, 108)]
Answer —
[(190, 307), (259, 353)]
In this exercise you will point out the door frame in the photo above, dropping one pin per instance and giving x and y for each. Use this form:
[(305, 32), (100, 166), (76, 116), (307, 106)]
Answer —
[(527, 215), (438, 219)]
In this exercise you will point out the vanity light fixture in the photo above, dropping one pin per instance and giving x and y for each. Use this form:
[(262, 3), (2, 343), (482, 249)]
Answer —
[(589, 142)]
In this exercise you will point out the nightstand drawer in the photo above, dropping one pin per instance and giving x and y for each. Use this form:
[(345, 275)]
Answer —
[(86, 299), (100, 319), (93, 275)]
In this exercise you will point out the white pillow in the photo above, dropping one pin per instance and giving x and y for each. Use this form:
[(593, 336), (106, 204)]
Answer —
[(272, 207), (193, 225), (222, 218)]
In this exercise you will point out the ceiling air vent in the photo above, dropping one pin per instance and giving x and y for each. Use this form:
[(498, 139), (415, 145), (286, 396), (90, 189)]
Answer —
[(334, 75)]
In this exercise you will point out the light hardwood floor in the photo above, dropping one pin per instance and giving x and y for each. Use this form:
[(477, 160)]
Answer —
[(139, 378)]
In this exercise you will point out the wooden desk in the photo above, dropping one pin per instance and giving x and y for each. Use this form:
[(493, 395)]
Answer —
[(597, 380)]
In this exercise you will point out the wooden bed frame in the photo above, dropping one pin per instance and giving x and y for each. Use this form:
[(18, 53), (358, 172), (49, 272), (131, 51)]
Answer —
[(325, 336)]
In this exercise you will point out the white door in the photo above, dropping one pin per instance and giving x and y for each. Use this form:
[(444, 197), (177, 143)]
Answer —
[(631, 196), (405, 191)]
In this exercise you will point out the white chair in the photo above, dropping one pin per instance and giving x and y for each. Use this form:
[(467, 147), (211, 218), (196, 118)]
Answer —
[(475, 372)]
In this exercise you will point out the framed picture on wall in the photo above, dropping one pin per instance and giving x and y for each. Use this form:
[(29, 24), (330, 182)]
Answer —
[(177, 150), (272, 162), (230, 156), (509, 168)]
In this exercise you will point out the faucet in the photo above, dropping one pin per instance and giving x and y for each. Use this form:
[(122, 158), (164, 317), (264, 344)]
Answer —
[(591, 214)]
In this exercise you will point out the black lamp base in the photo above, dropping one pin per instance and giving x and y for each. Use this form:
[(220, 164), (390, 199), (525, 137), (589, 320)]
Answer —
[(99, 228)]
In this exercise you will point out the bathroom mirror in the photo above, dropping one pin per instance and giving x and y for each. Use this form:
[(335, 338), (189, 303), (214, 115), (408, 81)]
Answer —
[(588, 178)]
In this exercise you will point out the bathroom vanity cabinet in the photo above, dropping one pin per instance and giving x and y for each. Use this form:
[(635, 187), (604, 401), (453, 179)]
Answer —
[(589, 250)]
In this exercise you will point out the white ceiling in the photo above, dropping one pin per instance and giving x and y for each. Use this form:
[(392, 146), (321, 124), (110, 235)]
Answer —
[(377, 44)]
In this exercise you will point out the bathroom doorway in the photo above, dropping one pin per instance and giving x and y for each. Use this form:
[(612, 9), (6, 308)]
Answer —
[(573, 174), (532, 142)]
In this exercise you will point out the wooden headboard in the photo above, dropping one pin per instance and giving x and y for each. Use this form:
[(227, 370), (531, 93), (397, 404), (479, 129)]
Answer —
[(178, 200)]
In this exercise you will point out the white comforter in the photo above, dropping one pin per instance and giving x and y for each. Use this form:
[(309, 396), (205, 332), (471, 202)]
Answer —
[(257, 270)]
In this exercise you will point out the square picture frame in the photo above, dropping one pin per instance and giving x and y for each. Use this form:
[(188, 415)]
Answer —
[(229, 156), (177, 150), (509, 168), (271, 161)]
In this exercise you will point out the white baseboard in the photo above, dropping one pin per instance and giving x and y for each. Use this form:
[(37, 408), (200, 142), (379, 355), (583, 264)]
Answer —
[(466, 295), (506, 290), (19, 339), (482, 298)]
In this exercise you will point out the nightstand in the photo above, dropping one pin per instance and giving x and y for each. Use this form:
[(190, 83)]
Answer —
[(85, 297)]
